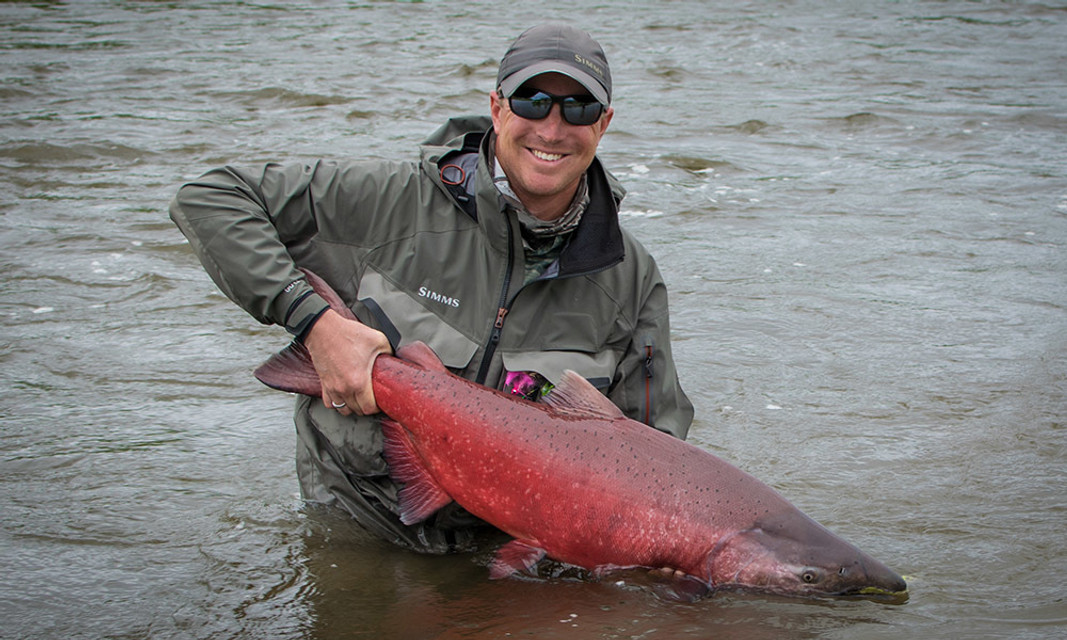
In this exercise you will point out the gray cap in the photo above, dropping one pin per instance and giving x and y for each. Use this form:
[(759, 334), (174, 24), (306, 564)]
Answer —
[(560, 48)]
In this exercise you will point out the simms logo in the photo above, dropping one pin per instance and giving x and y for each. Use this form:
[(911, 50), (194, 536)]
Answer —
[(589, 63), (437, 297)]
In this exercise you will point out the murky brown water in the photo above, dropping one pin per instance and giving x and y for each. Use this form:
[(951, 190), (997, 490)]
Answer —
[(861, 212)]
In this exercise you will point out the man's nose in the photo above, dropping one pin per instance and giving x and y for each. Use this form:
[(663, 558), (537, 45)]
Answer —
[(553, 126)]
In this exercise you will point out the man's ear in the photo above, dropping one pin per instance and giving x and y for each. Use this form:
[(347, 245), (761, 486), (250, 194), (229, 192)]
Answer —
[(496, 106), (605, 120)]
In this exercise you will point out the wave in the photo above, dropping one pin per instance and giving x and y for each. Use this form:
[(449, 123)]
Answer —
[(286, 98), (47, 153)]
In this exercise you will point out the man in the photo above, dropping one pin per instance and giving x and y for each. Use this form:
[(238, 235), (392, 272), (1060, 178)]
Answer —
[(500, 249)]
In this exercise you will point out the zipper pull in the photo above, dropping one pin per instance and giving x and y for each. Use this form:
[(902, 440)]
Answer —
[(500, 313)]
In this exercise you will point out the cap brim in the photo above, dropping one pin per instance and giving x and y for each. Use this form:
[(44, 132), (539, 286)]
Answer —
[(511, 83)]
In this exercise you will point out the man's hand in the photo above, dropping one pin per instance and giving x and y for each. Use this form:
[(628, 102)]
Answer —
[(343, 352)]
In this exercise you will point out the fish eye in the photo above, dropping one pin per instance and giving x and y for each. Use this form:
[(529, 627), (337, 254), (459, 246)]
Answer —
[(810, 576)]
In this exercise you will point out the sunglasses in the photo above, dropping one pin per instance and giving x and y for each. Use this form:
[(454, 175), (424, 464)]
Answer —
[(577, 110)]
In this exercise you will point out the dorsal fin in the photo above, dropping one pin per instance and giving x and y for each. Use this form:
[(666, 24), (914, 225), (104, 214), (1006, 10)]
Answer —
[(575, 396)]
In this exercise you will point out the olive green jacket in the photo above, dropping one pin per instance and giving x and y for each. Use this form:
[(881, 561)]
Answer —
[(427, 251)]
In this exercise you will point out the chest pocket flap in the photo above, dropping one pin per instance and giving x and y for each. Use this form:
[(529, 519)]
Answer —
[(404, 320)]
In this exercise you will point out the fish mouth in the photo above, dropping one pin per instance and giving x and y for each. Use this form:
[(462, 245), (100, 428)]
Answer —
[(878, 594), (892, 590)]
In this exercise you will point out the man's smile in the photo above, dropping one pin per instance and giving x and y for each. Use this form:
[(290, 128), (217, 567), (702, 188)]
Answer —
[(550, 157)]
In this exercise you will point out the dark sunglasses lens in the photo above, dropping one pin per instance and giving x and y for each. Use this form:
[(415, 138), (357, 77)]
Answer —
[(533, 107), (581, 113)]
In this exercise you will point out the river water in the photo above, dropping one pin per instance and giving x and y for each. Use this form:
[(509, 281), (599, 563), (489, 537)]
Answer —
[(860, 209)]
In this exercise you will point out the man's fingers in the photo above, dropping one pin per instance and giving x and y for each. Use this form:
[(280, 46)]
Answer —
[(347, 408)]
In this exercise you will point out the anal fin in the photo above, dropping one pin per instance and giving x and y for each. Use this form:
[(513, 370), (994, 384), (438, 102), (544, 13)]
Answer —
[(514, 557)]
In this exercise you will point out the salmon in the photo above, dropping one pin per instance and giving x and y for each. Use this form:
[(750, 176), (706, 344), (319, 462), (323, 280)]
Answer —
[(573, 479)]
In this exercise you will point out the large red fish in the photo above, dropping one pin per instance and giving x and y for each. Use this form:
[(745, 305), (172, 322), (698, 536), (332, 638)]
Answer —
[(576, 480)]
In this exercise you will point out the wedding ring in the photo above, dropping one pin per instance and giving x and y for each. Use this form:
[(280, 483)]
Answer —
[(337, 406)]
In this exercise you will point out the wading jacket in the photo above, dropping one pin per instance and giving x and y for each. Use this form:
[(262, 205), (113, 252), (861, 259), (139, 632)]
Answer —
[(427, 251)]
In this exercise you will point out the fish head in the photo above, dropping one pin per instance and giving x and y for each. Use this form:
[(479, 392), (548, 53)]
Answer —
[(794, 555)]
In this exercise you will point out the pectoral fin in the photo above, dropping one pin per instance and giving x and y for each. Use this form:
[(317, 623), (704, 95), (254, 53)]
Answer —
[(421, 495)]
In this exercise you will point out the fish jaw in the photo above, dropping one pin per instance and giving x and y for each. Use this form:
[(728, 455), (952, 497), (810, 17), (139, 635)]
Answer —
[(800, 558)]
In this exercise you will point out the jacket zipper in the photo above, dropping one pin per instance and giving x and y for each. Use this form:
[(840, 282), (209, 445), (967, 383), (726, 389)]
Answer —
[(649, 352), (501, 312)]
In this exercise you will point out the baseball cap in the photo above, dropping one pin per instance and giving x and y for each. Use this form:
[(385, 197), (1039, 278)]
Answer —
[(560, 48)]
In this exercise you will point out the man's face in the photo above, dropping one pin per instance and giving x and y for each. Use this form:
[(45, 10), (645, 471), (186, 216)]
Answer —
[(545, 159)]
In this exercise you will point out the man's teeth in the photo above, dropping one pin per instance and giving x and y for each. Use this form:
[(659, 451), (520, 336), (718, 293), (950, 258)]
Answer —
[(547, 156)]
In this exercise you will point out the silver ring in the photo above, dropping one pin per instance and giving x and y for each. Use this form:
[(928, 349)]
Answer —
[(337, 406)]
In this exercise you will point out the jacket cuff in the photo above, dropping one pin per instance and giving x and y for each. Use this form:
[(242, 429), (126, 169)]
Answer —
[(302, 308)]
